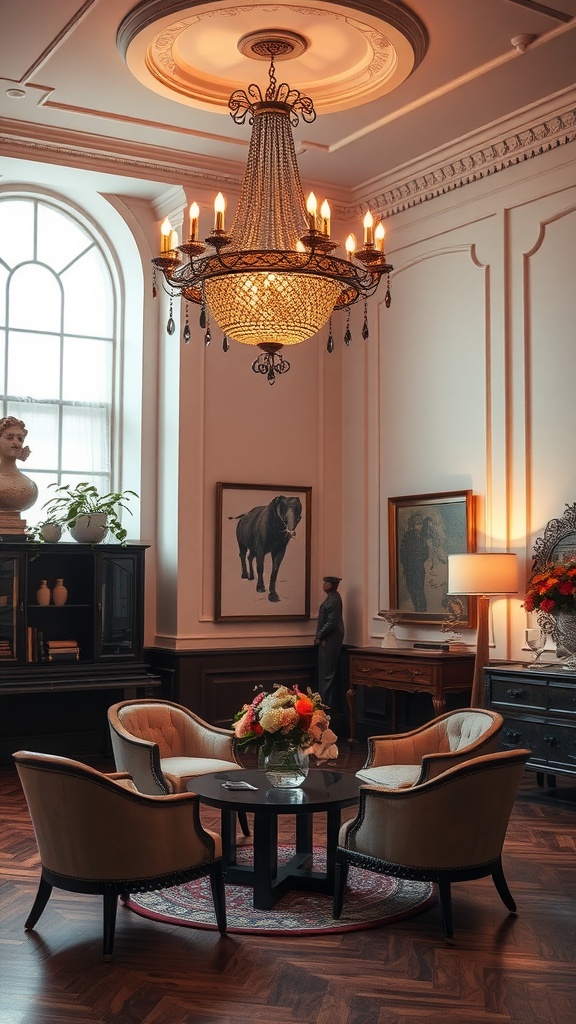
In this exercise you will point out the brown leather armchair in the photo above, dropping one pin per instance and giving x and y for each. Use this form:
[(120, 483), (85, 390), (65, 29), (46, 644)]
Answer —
[(163, 745), (97, 834), (410, 758), (449, 829)]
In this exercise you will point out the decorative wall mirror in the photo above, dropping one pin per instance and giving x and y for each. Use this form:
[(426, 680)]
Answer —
[(558, 542)]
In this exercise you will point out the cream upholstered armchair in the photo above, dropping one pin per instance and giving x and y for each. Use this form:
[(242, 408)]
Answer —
[(97, 834), (163, 745), (410, 758), (449, 829)]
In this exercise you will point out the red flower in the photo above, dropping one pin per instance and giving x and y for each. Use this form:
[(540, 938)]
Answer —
[(566, 588), (546, 604)]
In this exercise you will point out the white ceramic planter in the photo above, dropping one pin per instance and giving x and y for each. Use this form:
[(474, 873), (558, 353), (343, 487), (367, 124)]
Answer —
[(90, 529)]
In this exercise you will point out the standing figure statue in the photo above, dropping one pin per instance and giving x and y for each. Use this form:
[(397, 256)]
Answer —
[(329, 637), (17, 491)]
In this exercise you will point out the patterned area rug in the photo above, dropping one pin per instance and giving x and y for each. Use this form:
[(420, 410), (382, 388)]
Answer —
[(371, 901)]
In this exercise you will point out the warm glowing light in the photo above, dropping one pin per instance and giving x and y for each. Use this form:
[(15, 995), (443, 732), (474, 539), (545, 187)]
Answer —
[(351, 246), (379, 236), (194, 215), (312, 206), (368, 226), (173, 239), (300, 247), (219, 208), (165, 232), (325, 214)]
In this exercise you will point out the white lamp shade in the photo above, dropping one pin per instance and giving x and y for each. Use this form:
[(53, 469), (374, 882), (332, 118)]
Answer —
[(483, 574)]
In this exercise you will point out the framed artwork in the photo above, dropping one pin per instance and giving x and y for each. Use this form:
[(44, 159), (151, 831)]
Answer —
[(559, 541), (262, 552), (423, 529)]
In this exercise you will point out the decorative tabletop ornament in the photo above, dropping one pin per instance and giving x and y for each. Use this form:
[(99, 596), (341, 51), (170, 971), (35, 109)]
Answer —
[(392, 616), (285, 727), (43, 593), (17, 491), (59, 593)]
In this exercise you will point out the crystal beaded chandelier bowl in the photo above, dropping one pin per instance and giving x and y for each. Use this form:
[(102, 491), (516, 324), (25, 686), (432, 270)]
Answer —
[(272, 280)]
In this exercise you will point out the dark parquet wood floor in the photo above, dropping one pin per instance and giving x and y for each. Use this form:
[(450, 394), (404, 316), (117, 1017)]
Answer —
[(502, 969)]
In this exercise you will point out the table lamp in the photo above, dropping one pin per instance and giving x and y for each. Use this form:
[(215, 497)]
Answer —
[(483, 576)]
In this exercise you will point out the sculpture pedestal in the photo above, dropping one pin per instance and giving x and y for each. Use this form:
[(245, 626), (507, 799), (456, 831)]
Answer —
[(12, 524)]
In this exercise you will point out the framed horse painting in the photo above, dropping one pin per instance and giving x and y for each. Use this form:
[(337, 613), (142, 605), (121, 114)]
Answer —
[(262, 552)]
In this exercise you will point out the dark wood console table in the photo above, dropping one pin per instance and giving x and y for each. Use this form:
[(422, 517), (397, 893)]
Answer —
[(414, 671)]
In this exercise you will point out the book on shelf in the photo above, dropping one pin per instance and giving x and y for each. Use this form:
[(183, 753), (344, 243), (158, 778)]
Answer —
[(70, 654), (34, 645), (62, 649)]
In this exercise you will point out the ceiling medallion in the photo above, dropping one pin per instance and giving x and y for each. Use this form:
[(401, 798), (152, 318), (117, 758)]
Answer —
[(354, 51)]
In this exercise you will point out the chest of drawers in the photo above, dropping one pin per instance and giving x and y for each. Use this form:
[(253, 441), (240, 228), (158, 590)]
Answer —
[(539, 710)]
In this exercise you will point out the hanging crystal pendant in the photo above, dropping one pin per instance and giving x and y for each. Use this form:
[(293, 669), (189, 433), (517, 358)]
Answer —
[(365, 331), (186, 333), (330, 342), (348, 333), (225, 343), (203, 315)]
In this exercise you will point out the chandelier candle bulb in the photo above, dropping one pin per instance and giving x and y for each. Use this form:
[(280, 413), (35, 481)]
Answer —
[(379, 236), (325, 214), (219, 208), (194, 215), (351, 246), (173, 240), (368, 229), (312, 206), (165, 232)]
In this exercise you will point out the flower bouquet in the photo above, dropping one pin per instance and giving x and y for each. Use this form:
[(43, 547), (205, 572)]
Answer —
[(285, 719), (553, 589)]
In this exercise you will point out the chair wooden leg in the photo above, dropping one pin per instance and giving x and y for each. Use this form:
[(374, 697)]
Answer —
[(340, 880), (243, 822), (445, 895), (502, 888), (42, 897), (110, 900), (219, 896)]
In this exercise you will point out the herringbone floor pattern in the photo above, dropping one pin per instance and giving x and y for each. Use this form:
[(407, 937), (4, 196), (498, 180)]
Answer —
[(501, 970)]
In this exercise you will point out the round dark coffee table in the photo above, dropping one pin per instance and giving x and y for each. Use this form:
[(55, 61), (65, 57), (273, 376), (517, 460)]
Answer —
[(323, 790)]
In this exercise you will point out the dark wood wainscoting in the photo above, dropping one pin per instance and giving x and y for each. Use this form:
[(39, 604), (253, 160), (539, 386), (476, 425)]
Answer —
[(215, 684)]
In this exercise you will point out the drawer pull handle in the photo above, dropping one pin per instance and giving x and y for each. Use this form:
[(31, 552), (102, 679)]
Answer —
[(550, 741), (512, 737), (514, 694)]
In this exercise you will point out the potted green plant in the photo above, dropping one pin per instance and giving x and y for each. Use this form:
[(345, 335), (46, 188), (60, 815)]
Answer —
[(88, 515)]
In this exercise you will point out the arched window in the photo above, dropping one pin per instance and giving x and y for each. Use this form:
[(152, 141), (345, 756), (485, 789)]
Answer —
[(57, 343)]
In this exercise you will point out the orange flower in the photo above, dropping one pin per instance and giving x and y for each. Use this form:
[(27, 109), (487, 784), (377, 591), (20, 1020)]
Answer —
[(304, 705)]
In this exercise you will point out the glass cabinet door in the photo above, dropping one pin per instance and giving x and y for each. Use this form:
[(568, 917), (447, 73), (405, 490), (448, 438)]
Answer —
[(120, 581), (9, 609)]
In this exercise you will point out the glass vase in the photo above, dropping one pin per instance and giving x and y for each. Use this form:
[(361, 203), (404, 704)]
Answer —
[(284, 769)]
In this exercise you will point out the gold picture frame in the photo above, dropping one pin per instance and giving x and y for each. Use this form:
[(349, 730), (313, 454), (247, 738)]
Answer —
[(423, 529)]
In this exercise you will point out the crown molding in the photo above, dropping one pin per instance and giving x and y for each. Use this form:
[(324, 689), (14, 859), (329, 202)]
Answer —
[(525, 135)]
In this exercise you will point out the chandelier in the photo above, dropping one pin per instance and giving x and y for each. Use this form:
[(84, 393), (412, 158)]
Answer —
[(272, 280)]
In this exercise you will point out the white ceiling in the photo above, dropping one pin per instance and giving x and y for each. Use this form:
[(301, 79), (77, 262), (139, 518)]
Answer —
[(68, 99)]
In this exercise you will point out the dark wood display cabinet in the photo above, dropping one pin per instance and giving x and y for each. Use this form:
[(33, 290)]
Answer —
[(539, 710), (61, 666)]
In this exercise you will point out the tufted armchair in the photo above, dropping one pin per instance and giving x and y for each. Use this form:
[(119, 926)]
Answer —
[(97, 834), (449, 829), (410, 758), (164, 745)]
